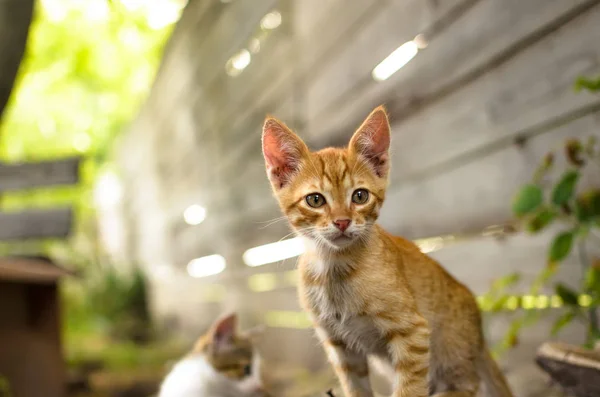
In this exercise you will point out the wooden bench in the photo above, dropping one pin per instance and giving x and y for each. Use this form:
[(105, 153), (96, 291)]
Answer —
[(31, 357)]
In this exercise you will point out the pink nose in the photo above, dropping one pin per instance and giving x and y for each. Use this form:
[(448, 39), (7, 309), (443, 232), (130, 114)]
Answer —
[(342, 224)]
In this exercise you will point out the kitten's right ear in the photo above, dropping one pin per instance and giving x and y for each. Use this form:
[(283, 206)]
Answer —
[(283, 151)]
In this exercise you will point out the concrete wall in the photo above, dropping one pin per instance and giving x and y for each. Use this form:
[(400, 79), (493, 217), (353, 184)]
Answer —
[(495, 72)]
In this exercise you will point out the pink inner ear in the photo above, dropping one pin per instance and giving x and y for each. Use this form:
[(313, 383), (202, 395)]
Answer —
[(282, 151), (372, 140), (225, 329), (379, 132), (273, 151)]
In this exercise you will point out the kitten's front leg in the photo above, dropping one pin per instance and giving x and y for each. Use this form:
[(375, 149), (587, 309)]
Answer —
[(350, 367), (409, 350)]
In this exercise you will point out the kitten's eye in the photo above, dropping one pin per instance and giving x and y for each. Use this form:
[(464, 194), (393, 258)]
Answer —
[(315, 200), (247, 370), (360, 196)]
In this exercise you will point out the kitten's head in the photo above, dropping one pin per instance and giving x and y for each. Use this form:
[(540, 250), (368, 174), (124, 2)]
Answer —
[(232, 354), (333, 196)]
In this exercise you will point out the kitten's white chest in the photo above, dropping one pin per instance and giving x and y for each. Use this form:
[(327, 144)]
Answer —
[(333, 295), (339, 310)]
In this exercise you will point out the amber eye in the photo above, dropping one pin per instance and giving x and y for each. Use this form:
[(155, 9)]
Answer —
[(360, 196), (315, 200)]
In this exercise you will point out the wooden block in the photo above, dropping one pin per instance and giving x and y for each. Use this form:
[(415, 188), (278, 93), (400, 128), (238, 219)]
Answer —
[(576, 370), (31, 270), (32, 224), (47, 173)]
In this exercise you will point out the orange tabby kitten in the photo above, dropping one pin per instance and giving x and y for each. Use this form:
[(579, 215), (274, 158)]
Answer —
[(370, 293)]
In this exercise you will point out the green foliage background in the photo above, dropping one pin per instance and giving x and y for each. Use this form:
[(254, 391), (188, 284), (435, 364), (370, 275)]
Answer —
[(83, 78), (88, 67)]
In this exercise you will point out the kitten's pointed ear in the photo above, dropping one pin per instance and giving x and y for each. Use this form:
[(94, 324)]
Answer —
[(372, 141), (283, 151), (223, 331)]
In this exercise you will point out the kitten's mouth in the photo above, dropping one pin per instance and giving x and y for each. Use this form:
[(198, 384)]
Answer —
[(342, 237), (341, 240)]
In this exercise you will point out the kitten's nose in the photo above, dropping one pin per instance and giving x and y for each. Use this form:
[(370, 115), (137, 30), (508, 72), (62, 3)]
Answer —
[(342, 224)]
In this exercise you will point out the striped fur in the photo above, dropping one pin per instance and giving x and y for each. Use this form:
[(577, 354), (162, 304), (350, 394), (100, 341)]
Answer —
[(368, 293)]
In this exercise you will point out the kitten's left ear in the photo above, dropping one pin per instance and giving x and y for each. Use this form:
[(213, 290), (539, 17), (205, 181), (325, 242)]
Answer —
[(223, 331), (372, 141)]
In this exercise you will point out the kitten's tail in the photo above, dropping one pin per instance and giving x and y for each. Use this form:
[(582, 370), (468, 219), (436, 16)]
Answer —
[(494, 380)]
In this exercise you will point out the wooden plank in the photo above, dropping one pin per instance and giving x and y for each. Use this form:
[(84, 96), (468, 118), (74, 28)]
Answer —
[(477, 193), (319, 48), (440, 63), (532, 88), (47, 173), (399, 22), (237, 22), (31, 270), (33, 224), (504, 28)]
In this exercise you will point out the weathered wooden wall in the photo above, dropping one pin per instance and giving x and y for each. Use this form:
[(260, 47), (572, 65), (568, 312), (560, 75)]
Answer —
[(494, 72)]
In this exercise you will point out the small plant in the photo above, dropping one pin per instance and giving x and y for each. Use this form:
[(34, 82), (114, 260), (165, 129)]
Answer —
[(121, 301), (550, 200), (108, 301)]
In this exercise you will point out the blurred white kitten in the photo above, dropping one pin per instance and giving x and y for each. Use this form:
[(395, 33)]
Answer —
[(223, 363)]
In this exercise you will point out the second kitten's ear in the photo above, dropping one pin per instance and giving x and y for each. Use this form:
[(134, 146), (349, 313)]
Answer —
[(283, 151), (223, 331), (372, 141)]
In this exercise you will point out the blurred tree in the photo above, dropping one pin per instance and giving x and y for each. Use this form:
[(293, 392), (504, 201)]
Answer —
[(88, 67), (15, 18)]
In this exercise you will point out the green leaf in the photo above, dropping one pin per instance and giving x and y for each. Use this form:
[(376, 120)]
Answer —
[(594, 203), (542, 219), (563, 191), (584, 83), (505, 281), (592, 280), (528, 199), (582, 210), (499, 304), (542, 278), (561, 246), (568, 296), (561, 322), (587, 206)]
